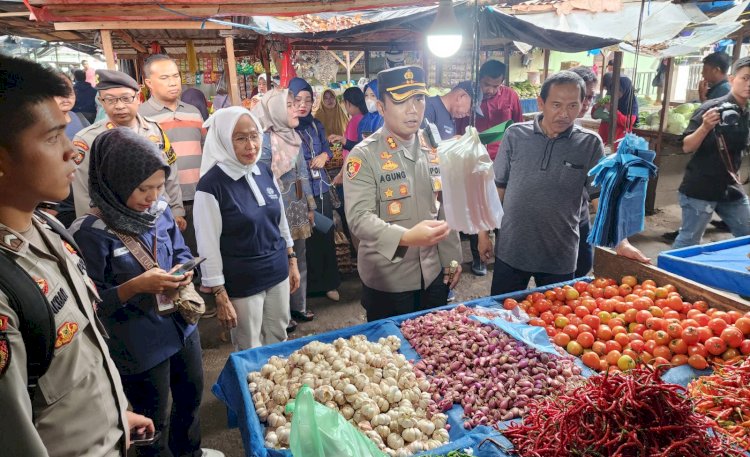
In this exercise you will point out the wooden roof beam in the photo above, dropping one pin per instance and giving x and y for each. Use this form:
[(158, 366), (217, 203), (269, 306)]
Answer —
[(128, 38), (140, 25)]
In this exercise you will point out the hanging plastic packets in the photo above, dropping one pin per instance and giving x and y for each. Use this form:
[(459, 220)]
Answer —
[(623, 178), (468, 182)]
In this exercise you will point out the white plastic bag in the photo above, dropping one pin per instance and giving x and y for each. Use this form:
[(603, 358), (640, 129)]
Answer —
[(469, 193)]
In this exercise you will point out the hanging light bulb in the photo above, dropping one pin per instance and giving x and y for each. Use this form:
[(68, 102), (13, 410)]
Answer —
[(444, 35)]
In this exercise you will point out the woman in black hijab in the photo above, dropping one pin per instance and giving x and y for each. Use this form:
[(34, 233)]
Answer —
[(155, 351)]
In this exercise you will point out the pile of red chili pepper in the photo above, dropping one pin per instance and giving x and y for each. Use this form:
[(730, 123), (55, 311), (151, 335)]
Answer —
[(725, 398), (618, 415)]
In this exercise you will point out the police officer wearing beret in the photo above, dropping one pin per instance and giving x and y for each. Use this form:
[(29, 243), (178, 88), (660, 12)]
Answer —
[(119, 95), (408, 256), (77, 407)]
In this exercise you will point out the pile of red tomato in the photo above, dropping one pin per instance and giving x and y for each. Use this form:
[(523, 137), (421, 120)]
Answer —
[(616, 327)]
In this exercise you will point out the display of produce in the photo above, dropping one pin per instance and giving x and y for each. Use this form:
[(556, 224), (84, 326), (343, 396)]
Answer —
[(676, 122), (616, 327), (491, 375), (620, 414), (725, 398), (370, 384), (525, 89)]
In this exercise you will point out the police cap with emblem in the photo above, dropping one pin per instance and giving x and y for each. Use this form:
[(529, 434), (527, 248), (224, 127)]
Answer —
[(109, 79), (402, 83)]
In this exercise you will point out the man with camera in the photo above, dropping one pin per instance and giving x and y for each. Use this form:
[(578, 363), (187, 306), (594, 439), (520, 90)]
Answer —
[(717, 133)]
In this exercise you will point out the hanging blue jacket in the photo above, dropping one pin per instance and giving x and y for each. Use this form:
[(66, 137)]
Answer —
[(139, 338)]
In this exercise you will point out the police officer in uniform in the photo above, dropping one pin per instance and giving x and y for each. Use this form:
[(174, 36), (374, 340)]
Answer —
[(119, 95), (77, 408), (408, 257)]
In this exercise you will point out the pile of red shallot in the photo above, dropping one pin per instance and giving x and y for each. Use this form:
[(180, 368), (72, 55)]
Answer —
[(493, 376)]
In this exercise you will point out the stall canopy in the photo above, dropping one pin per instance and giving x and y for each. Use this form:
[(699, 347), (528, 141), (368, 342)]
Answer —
[(667, 29), (495, 26)]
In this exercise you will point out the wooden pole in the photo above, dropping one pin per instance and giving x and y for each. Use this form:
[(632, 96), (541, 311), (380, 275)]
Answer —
[(614, 97), (545, 71), (348, 66), (367, 64), (506, 61), (653, 182), (109, 53), (232, 64), (737, 51)]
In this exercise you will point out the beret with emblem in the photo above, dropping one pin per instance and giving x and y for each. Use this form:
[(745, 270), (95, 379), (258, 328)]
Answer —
[(402, 82), (110, 79)]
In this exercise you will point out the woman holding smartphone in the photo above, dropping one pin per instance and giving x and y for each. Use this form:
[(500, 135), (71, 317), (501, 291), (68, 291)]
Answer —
[(156, 353)]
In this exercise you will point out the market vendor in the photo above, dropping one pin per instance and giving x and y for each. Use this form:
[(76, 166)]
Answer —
[(711, 182), (541, 172), (626, 105), (392, 187), (443, 111), (714, 72)]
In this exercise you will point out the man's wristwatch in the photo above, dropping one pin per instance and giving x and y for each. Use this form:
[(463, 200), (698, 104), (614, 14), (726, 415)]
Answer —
[(292, 255)]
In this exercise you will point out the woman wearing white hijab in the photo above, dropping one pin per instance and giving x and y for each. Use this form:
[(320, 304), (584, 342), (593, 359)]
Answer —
[(242, 231)]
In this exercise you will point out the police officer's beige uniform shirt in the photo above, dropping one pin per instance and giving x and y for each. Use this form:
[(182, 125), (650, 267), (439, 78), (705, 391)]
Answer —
[(146, 128), (390, 187), (79, 405)]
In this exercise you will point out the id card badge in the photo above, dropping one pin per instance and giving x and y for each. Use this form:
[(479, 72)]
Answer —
[(165, 305)]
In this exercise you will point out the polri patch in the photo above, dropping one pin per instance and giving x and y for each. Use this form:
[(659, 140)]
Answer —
[(4, 354), (65, 334), (353, 165)]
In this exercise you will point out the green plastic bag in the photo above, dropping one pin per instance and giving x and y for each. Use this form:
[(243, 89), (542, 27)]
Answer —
[(319, 431), (494, 134)]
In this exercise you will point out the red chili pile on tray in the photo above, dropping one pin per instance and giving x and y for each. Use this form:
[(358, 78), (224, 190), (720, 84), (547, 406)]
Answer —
[(617, 414), (725, 398)]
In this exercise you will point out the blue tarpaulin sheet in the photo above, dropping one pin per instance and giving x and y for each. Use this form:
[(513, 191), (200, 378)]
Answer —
[(231, 387), (723, 264)]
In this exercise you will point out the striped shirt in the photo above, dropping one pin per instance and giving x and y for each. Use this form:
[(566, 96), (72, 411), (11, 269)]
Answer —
[(184, 128)]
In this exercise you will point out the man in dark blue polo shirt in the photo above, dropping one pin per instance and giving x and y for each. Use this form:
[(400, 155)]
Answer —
[(442, 111), (541, 172)]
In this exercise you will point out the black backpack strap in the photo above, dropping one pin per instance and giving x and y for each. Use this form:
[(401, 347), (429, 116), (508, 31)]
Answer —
[(36, 321), (58, 228)]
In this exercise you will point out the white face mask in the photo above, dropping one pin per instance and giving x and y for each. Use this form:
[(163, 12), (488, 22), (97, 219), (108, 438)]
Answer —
[(372, 105)]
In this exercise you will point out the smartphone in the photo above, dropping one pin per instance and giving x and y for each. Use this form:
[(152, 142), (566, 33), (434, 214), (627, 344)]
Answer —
[(189, 266), (144, 439)]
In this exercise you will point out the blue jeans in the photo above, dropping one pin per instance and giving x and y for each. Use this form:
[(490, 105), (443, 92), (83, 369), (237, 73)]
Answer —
[(696, 215)]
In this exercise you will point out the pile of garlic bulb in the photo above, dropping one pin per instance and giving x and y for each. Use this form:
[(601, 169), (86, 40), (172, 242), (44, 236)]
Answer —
[(370, 384)]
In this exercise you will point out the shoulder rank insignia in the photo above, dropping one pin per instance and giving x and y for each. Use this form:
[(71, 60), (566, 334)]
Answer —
[(65, 334), (385, 155), (394, 208), (9, 241), (353, 165), (388, 193), (390, 165), (43, 285), (391, 142), (4, 346), (110, 125)]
